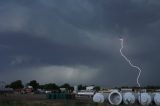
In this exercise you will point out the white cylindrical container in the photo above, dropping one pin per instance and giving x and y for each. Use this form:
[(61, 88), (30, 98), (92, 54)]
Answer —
[(144, 99), (157, 99), (129, 98), (115, 98), (99, 97)]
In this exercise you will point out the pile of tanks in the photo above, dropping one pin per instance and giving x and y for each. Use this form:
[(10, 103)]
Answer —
[(116, 98)]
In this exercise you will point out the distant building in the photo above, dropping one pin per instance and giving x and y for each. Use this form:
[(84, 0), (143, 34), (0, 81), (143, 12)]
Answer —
[(63, 89), (88, 93), (89, 88), (158, 90), (126, 89), (85, 94), (28, 90), (75, 89), (30, 87)]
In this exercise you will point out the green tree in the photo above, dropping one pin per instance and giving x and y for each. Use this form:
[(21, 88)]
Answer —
[(16, 84), (81, 87), (50, 86), (67, 86), (97, 88), (41, 86), (34, 84)]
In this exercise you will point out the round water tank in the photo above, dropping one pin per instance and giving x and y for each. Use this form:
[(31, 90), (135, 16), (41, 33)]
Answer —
[(115, 98), (128, 98), (99, 97), (144, 99), (157, 99)]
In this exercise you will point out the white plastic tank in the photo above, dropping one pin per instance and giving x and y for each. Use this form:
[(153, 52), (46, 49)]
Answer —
[(115, 98), (157, 99), (144, 99), (99, 97), (129, 98)]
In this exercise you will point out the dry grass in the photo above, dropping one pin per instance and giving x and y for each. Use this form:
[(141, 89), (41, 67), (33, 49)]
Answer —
[(41, 100)]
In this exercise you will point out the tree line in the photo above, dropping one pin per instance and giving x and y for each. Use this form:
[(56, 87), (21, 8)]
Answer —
[(18, 84), (53, 86), (49, 86)]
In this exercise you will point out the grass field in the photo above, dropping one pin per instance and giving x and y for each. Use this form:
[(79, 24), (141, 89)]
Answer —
[(41, 100)]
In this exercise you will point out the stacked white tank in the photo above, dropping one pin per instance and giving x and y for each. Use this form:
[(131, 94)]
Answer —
[(129, 98), (115, 98), (144, 99), (100, 97), (157, 99)]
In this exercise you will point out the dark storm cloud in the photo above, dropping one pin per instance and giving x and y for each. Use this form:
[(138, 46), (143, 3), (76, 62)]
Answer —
[(77, 37)]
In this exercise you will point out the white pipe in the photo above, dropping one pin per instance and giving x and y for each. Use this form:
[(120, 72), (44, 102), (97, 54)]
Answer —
[(115, 98), (144, 99), (157, 99), (129, 98), (99, 97)]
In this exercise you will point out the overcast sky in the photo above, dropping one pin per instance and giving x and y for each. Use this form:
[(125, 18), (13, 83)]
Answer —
[(77, 41)]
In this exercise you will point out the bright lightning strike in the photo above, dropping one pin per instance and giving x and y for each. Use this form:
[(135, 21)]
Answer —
[(138, 68)]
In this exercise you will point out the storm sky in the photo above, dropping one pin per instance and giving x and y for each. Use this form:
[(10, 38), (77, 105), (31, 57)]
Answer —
[(77, 41)]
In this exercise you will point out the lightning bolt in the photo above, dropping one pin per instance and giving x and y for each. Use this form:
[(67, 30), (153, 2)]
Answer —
[(130, 63)]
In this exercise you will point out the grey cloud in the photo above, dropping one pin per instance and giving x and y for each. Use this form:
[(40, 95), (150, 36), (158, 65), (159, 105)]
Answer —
[(69, 32), (60, 74)]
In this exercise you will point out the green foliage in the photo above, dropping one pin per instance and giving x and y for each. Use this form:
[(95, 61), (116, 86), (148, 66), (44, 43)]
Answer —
[(81, 87), (50, 86), (67, 86), (34, 84), (97, 88), (7, 86), (16, 85)]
